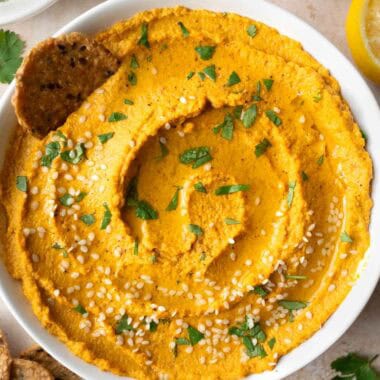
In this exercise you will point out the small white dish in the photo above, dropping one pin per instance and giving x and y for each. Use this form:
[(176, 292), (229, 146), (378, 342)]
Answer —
[(367, 114), (19, 10)]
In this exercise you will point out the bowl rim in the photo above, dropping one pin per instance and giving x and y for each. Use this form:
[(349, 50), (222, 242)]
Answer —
[(365, 109)]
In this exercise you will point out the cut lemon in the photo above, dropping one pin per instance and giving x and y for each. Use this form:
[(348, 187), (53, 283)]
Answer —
[(363, 36)]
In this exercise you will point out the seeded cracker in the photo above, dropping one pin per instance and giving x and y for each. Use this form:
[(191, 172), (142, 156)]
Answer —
[(56, 77)]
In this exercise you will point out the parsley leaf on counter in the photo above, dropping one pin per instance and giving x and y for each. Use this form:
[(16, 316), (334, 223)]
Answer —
[(353, 366), (11, 47)]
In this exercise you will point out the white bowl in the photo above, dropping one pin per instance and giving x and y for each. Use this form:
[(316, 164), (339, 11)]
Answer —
[(364, 107), (20, 10)]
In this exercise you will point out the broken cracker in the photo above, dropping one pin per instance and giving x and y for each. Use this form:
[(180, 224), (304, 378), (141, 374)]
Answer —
[(22, 369), (38, 355), (5, 358), (56, 77)]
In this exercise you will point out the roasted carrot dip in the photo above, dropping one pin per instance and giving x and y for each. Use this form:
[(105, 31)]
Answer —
[(202, 213)]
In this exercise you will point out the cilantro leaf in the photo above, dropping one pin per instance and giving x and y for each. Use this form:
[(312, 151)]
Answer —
[(174, 201), (227, 127), (292, 305), (205, 52), (230, 221), (103, 138), (51, 151), (272, 116), (80, 309), (195, 229), (143, 40), (346, 238), (200, 187), (74, 156), (292, 186), (22, 183), (230, 189), (107, 216), (233, 79), (209, 71), (184, 31), (268, 83), (249, 116), (88, 219), (195, 336), (262, 147), (353, 366), (116, 116), (252, 30), (195, 156), (123, 325), (145, 211)]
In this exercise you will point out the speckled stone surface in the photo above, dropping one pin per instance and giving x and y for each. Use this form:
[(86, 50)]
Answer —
[(328, 17)]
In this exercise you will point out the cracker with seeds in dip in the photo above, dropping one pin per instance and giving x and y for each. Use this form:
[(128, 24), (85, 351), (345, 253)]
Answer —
[(38, 355), (56, 77)]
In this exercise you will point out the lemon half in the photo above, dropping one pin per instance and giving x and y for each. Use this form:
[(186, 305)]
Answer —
[(363, 36)]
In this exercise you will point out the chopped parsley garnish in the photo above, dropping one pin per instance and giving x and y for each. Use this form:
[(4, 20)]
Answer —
[(247, 331), (200, 187), (346, 238), (88, 219), (364, 135), (129, 102), (227, 127), (132, 78), (195, 336), (252, 30), (153, 259), (304, 176), (11, 47), (260, 291), (233, 79), (143, 40), (56, 245), (292, 305), (103, 138), (136, 247), (107, 216), (182, 342), (355, 367), (230, 189), (195, 156), (320, 160), (257, 97), (238, 110), (202, 75), (318, 97), (292, 186), (271, 343), (66, 200), (174, 201), (153, 326), (80, 309), (230, 221), (205, 52), (51, 151), (262, 147), (195, 229), (184, 31), (22, 183), (145, 211), (80, 196), (123, 325), (295, 277), (249, 116), (164, 151), (131, 193), (60, 135), (117, 116), (190, 75), (272, 116), (209, 71), (74, 156), (134, 63), (268, 83)]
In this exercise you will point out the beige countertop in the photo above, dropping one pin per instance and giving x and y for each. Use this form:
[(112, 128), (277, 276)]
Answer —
[(328, 17)]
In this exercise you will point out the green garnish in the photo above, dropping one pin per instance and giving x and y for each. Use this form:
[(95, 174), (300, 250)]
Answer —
[(355, 367), (318, 97), (11, 47), (117, 116), (260, 291), (80, 196), (174, 201), (22, 183), (230, 221), (123, 325), (364, 135), (88, 219), (271, 343), (227, 127), (205, 52), (195, 229), (292, 305), (107, 216), (51, 151), (233, 79), (184, 31), (153, 258), (195, 336), (200, 187), (132, 78), (80, 309), (182, 342), (143, 40), (195, 156), (145, 211), (292, 186), (201, 75), (60, 135), (268, 83), (209, 71), (230, 189), (272, 116), (257, 97), (134, 63), (164, 151), (237, 112), (56, 245), (136, 247), (295, 277), (74, 156), (153, 326), (66, 200), (346, 238), (262, 147), (249, 116), (190, 75), (252, 30), (103, 138), (320, 160), (129, 102), (304, 176)]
